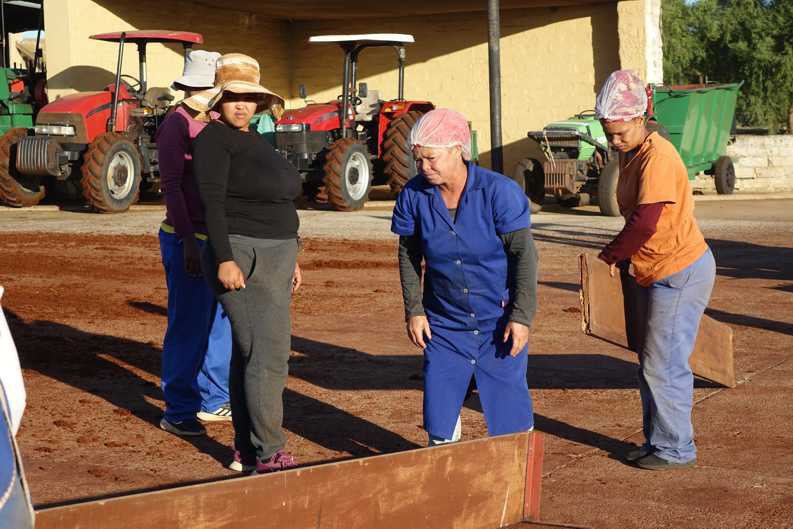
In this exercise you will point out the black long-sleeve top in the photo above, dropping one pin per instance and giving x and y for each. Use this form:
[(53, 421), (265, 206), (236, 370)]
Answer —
[(246, 187), (522, 266)]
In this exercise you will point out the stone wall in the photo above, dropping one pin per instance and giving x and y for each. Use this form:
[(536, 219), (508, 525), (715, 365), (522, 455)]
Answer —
[(763, 164)]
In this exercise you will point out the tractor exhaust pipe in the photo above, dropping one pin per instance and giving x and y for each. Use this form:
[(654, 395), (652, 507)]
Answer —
[(401, 59), (111, 123)]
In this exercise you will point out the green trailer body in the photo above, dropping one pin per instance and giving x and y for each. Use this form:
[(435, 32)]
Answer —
[(699, 119), (12, 113)]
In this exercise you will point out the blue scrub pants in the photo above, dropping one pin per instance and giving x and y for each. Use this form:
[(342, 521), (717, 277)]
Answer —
[(451, 358), (196, 351), (675, 306)]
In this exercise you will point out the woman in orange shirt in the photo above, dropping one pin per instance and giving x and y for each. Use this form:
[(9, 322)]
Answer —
[(662, 249)]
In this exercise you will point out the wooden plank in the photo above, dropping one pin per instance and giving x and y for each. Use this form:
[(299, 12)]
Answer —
[(471, 485), (610, 311), (534, 460)]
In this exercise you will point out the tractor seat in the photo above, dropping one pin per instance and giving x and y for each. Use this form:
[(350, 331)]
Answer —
[(158, 99), (369, 107)]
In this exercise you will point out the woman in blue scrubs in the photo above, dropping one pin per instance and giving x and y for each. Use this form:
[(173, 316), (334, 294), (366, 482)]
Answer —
[(471, 228)]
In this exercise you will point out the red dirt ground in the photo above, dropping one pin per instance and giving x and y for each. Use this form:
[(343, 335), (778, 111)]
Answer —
[(89, 332)]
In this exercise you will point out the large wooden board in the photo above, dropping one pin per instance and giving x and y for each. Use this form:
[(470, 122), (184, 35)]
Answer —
[(611, 311), (479, 484)]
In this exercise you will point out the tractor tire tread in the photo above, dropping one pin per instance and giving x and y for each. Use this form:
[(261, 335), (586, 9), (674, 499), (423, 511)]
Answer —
[(397, 152), (91, 181), (11, 192)]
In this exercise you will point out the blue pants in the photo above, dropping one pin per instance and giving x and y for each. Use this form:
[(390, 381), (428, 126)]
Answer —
[(451, 358), (674, 305), (196, 350)]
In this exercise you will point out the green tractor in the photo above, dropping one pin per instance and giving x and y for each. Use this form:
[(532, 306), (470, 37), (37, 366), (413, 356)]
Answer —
[(571, 160)]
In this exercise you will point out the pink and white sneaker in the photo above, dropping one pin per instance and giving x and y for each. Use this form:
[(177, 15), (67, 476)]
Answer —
[(278, 461)]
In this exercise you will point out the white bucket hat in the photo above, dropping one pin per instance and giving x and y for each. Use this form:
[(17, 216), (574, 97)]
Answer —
[(199, 70), (235, 73)]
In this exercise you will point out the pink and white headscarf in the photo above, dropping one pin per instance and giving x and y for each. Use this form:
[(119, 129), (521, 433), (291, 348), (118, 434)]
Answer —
[(623, 97), (442, 128)]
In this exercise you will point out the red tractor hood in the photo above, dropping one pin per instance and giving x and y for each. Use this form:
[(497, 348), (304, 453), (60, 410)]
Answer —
[(318, 116), (81, 103)]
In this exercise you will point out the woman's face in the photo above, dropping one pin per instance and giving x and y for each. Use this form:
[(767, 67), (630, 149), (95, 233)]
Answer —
[(238, 109), (438, 165), (625, 136)]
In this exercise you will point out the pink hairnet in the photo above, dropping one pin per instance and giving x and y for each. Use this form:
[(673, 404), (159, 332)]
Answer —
[(622, 97), (442, 128)]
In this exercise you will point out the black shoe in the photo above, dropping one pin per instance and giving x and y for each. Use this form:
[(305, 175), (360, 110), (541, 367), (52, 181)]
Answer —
[(653, 462), (637, 453), (185, 428)]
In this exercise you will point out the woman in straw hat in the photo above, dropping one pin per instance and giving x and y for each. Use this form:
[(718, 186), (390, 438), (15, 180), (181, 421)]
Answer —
[(197, 343), (248, 191)]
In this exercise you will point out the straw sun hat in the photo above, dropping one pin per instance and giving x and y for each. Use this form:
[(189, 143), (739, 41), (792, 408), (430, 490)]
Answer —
[(236, 73)]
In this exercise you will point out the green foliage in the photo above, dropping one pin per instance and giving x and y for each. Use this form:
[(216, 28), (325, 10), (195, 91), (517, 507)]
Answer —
[(730, 41)]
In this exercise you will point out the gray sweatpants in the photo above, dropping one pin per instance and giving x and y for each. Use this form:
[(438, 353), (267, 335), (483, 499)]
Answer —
[(261, 340)]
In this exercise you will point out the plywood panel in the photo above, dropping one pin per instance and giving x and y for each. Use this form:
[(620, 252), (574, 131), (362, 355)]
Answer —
[(611, 311), (472, 485)]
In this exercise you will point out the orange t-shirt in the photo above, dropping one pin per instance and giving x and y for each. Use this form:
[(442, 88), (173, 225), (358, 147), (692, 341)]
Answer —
[(657, 174)]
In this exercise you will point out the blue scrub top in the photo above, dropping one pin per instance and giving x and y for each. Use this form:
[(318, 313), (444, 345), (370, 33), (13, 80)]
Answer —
[(466, 284)]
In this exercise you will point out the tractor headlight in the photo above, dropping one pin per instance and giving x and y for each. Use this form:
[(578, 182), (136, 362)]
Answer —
[(55, 130), (290, 127)]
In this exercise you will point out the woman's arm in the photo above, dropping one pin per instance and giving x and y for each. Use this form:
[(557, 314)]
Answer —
[(522, 264), (211, 163), (410, 257), (641, 225)]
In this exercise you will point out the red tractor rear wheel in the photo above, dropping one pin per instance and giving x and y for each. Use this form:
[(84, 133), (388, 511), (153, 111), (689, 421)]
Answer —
[(400, 166), (111, 173), (348, 175), (16, 190)]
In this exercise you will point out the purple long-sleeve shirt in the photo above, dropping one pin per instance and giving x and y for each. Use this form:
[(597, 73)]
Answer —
[(183, 210)]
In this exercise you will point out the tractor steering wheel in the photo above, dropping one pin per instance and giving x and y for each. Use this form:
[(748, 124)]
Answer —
[(132, 82), (355, 100)]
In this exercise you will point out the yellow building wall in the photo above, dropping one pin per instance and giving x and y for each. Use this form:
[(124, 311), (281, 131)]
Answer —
[(77, 63), (552, 64), (553, 60)]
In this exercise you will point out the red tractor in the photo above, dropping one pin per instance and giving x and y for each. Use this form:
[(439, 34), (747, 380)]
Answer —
[(342, 147), (103, 139)]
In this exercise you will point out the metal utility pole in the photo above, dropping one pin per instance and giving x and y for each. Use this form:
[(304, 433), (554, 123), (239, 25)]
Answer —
[(494, 61)]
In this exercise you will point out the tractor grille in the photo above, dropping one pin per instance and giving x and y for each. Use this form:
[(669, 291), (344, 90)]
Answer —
[(560, 174), (39, 156), (556, 139)]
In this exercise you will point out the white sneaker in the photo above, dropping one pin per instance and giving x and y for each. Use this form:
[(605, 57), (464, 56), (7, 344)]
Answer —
[(219, 415), (456, 435)]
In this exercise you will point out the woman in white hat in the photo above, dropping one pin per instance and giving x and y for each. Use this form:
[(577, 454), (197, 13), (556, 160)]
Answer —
[(197, 343), (248, 191)]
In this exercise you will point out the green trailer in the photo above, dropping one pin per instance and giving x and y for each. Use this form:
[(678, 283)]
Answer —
[(700, 120), (571, 159)]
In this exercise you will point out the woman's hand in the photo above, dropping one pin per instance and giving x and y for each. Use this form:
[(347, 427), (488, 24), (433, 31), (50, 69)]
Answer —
[(612, 266), (192, 256), (418, 327), (230, 276), (297, 278), (519, 334)]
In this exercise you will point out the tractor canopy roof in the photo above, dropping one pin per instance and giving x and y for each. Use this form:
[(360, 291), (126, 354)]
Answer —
[(395, 39), (145, 36)]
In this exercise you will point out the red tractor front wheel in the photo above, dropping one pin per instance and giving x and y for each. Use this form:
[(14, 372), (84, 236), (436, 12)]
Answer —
[(17, 191), (348, 175), (111, 173)]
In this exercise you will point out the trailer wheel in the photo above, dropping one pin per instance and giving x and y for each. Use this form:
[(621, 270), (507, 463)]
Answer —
[(348, 175), (400, 166), (530, 176), (724, 175), (16, 190), (111, 173), (607, 189)]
